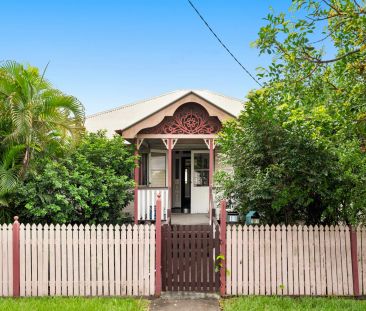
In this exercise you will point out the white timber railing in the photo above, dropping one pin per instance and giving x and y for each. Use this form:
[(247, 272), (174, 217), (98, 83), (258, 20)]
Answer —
[(147, 203)]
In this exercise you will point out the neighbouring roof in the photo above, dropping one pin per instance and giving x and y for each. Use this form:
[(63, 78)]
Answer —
[(124, 116)]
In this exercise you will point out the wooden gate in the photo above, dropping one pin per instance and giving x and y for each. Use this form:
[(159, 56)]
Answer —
[(188, 258)]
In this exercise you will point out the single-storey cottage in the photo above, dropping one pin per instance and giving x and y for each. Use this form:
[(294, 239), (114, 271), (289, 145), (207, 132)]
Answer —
[(174, 135)]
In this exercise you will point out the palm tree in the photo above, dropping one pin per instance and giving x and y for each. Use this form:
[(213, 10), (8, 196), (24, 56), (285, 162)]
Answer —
[(32, 115)]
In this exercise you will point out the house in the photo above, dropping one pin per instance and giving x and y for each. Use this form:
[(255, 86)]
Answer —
[(174, 135)]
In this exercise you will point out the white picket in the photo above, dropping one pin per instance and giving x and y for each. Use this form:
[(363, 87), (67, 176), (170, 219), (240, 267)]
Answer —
[(333, 260), (306, 260), (240, 259), (284, 259), (245, 261), (129, 257), (80, 243), (93, 261), (124, 260), (279, 282), (312, 261), (152, 259), (111, 267), (256, 265), (58, 269), (146, 273), (117, 259), (135, 259), (338, 258), (99, 257), (52, 263), (229, 258), (322, 255), (22, 259), (273, 260), (45, 264), (317, 264), (234, 263), (87, 261), (290, 256), (105, 277), (295, 260), (140, 265)]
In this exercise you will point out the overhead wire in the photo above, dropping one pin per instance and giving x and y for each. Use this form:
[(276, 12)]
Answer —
[(223, 44)]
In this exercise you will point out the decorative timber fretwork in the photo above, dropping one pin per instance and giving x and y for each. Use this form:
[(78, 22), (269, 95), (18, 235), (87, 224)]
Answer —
[(208, 142), (189, 118)]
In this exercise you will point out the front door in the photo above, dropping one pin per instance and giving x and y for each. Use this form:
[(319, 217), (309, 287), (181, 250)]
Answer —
[(186, 183), (200, 183)]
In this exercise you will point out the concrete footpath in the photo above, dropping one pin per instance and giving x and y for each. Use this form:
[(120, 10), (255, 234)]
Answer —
[(171, 304)]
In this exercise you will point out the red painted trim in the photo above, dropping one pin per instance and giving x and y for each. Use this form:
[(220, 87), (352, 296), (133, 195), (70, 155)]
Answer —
[(353, 237), (223, 247), (136, 177), (210, 178), (16, 258), (158, 247), (170, 161), (190, 118)]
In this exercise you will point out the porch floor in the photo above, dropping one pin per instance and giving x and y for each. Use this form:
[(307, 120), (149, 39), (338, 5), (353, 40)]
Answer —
[(189, 219)]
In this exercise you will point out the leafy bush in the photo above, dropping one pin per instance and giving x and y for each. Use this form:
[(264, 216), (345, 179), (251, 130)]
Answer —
[(89, 184)]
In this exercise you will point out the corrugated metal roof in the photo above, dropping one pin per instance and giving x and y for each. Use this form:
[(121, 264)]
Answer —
[(124, 116)]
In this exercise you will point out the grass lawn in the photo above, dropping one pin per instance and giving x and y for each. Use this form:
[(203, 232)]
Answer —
[(284, 303), (74, 304)]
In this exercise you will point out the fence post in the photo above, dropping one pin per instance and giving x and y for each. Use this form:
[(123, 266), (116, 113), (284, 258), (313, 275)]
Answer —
[(223, 248), (16, 258), (158, 247), (355, 276)]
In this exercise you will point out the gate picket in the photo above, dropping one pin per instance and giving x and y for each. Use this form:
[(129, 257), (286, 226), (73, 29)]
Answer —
[(193, 259), (188, 258)]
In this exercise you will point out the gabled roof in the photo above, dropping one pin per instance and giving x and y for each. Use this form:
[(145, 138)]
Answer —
[(124, 116)]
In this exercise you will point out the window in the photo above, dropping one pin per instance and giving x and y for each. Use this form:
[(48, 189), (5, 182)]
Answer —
[(201, 169), (158, 170), (143, 169)]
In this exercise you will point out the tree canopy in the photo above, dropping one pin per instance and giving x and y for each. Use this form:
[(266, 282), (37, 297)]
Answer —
[(298, 148), (34, 117)]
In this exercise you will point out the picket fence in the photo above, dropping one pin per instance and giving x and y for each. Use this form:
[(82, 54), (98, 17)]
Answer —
[(293, 260), (81, 260), (122, 260)]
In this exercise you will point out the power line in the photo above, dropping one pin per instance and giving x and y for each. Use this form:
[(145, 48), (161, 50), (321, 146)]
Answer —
[(224, 46)]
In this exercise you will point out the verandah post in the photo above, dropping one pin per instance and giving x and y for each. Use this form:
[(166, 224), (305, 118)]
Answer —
[(170, 160), (158, 247), (355, 276), (136, 178), (210, 179), (16, 258), (223, 248)]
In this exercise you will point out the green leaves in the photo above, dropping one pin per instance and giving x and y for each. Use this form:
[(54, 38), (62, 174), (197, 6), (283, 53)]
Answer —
[(89, 184), (34, 117), (298, 149)]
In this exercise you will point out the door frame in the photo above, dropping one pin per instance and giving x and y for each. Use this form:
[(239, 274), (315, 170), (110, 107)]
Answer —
[(204, 189), (183, 159)]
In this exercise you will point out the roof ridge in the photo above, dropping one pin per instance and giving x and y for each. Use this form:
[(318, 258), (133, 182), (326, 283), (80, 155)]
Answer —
[(135, 103), (222, 95)]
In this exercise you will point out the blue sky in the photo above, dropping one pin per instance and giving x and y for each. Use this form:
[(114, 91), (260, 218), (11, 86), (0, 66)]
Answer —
[(109, 53)]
